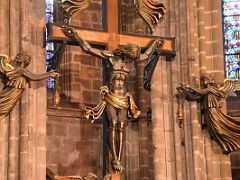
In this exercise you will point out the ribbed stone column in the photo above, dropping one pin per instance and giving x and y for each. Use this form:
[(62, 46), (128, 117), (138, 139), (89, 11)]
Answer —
[(198, 32), (143, 99), (162, 95), (14, 48), (36, 101), (206, 52), (22, 133), (180, 73), (159, 157), (4, 123), (162, 124)]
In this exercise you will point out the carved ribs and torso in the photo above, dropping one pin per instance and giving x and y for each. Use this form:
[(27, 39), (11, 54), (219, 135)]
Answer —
[(119, 72)]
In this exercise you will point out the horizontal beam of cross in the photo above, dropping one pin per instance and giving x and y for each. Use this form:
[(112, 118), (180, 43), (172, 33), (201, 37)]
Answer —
[(55, 34)]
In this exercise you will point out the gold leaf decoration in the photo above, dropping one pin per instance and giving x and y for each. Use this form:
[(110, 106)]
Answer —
[(150, 11), (223, 129), (72, 8)]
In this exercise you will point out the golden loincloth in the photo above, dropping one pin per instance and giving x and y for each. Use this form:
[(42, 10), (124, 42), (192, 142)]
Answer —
[(119, 102)]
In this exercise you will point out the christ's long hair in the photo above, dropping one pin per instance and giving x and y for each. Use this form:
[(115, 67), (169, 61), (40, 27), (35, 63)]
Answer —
[(131, 51)]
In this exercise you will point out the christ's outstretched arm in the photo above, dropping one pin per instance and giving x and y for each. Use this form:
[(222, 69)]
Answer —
[(145, 56), (70, 32)]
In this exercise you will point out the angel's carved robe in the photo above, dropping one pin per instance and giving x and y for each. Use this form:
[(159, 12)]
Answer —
[(16, 77), (14, 88), (224, 129)]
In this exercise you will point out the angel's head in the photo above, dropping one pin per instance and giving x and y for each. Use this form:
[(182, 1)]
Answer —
[(129, 52), (207, 80), (22, 59)]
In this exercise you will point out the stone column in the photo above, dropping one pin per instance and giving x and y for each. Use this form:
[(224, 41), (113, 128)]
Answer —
[(162, 95), (144, 142), (4, 123), (205, 51), (22, 140), (197, 28)]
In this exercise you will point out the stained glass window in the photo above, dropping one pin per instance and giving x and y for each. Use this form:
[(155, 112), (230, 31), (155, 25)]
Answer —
[(50, 46), (231, 27)]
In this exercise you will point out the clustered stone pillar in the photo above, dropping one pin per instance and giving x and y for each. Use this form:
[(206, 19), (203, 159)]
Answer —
[(22, 133), (191, 154)]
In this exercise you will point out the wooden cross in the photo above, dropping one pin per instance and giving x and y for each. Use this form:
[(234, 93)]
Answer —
[(112, 37)]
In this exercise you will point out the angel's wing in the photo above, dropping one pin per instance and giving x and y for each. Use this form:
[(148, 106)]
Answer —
[(230, 85), (72, 8), (5, 65), (150, 11)]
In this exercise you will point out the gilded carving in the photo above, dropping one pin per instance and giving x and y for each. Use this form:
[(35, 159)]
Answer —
[(115, 99), (72, 8), (224, 129), (150, 11), (15, 77)]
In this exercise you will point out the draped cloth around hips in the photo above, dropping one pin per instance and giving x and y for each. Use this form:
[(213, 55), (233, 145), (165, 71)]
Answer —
[(119, 102)]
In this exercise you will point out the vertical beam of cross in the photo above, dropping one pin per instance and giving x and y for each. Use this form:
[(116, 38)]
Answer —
[(113, 42), (113, 24)]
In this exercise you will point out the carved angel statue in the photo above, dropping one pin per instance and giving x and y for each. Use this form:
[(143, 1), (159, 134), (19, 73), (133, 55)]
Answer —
[(15, 76), (224, 129)]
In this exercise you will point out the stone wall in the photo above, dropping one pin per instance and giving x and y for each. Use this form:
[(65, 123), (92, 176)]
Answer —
[(74, 145), (233, 104), (82, 77), (235, 164), (130, 21)]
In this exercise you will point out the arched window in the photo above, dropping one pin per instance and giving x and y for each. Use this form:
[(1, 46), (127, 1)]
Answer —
[(231, 20), (50, 46)]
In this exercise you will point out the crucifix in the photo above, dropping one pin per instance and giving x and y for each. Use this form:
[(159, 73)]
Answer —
[(116, 100)]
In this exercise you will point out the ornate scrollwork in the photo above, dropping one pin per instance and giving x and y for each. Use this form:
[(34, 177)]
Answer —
[(15, 77), (150, 11), (224, 129), (72, 8)]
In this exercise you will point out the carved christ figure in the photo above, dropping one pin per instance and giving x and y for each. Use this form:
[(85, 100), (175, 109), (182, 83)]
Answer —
[(15, 76), (118, 103), (224, 129)]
